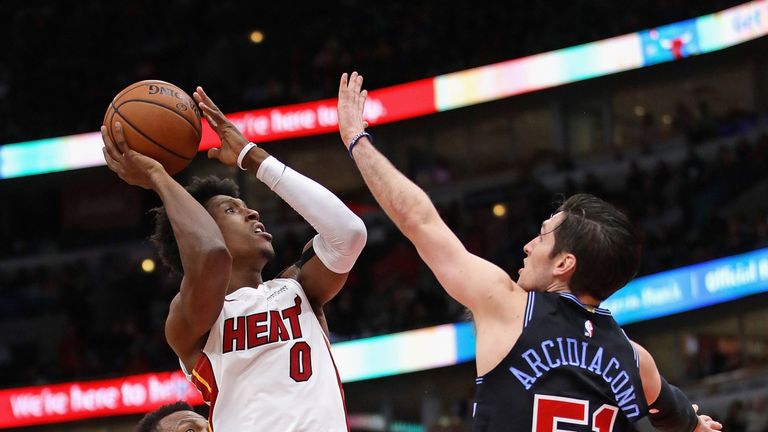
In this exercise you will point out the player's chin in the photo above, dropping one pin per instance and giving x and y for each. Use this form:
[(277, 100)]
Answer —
[(267, 251), (522, 283)]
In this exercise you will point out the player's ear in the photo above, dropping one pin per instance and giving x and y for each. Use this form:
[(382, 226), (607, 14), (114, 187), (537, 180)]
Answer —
[(565, 264)]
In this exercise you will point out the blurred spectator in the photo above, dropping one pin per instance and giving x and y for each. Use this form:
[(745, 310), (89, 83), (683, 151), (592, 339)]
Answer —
[(735, 418), (110, 329), (757, 415)]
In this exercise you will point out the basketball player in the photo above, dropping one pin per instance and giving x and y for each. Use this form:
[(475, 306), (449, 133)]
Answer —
[(548, 357), (175, 417), (257, 350)]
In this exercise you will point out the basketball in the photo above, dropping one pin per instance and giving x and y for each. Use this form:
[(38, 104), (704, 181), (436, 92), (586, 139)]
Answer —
[(159, 120)]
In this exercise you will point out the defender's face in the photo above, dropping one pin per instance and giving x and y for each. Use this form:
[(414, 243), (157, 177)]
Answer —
[(538, 266), (240, 226), (183, 421)]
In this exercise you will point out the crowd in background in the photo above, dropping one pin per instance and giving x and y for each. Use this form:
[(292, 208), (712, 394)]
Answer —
[(62, 65), (747, 416), (99, 315), (108, 314)]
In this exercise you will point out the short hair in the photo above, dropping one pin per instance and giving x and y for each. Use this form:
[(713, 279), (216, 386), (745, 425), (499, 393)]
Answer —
[(604, 241), (202, 189), (150, 421)]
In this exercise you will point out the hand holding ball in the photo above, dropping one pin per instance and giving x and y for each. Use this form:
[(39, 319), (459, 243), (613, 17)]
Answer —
[(159, 120)]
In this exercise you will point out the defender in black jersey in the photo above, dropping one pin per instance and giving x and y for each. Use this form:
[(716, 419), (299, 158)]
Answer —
[(548, 358), (571, 364)]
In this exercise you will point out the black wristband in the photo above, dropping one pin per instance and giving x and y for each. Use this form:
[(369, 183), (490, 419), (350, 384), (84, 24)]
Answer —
[(355, 139), (675, 413)]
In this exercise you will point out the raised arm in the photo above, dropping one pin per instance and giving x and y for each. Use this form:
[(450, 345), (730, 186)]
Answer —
[(669, 408), (471, 280), (204, 256), (341, 234)]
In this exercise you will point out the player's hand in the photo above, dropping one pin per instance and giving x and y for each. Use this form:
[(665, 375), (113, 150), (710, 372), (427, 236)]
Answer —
[(131, 166), (232, 140), (351, 106), (706, 423)]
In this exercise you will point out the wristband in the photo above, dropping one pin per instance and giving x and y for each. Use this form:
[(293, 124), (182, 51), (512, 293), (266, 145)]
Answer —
[(356, 138), (672, 411), (242, 154)]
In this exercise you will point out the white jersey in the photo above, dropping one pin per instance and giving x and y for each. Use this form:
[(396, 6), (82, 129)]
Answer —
[(267, 365)]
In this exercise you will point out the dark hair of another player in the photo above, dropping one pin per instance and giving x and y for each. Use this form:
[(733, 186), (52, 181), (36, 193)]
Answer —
[(150, 421), (202, 189), (604, 241)]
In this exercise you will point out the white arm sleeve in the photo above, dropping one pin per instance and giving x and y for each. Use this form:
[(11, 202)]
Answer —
[(341, 235)]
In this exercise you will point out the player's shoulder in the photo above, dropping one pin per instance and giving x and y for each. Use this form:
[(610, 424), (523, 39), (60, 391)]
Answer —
[(264, 289), (291, 272), (538, 302), (558, 304), (542, 298), (284, 283)]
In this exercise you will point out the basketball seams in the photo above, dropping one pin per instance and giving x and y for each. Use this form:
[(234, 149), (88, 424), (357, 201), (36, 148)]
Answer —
[(165, 131), (135, 86), (109, 122), (148, 138), (163, 106)]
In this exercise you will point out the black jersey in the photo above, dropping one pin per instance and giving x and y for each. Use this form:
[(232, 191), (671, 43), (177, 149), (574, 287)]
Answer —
[(572, 369)]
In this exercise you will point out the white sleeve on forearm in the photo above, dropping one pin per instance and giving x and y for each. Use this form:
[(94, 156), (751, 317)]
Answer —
[(341, 235)]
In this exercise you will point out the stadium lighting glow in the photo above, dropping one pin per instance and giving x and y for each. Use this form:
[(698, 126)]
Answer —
[(148, 265), (356, 360), (665, 43), (499, 210), (256, 37), (691, 287)]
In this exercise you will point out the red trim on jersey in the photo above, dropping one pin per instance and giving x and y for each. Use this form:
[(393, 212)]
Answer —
[(205, 381), (338, 379)]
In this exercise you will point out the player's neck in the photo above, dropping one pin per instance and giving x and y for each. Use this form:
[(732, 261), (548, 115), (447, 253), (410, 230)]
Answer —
[(588, 300), (244, 276), (585, 299), (558, 287)]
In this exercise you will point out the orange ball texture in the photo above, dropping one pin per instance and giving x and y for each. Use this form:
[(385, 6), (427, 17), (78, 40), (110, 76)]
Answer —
[(159, 120)]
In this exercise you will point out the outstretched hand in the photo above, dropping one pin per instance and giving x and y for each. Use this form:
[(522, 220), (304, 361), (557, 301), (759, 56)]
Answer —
[(131, 166), (706, 423), (232, 140), (351, 107)]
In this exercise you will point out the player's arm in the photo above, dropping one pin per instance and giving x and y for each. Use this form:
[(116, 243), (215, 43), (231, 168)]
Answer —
[(471, 280), (341, 235), (204, 255), (669, 409)]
